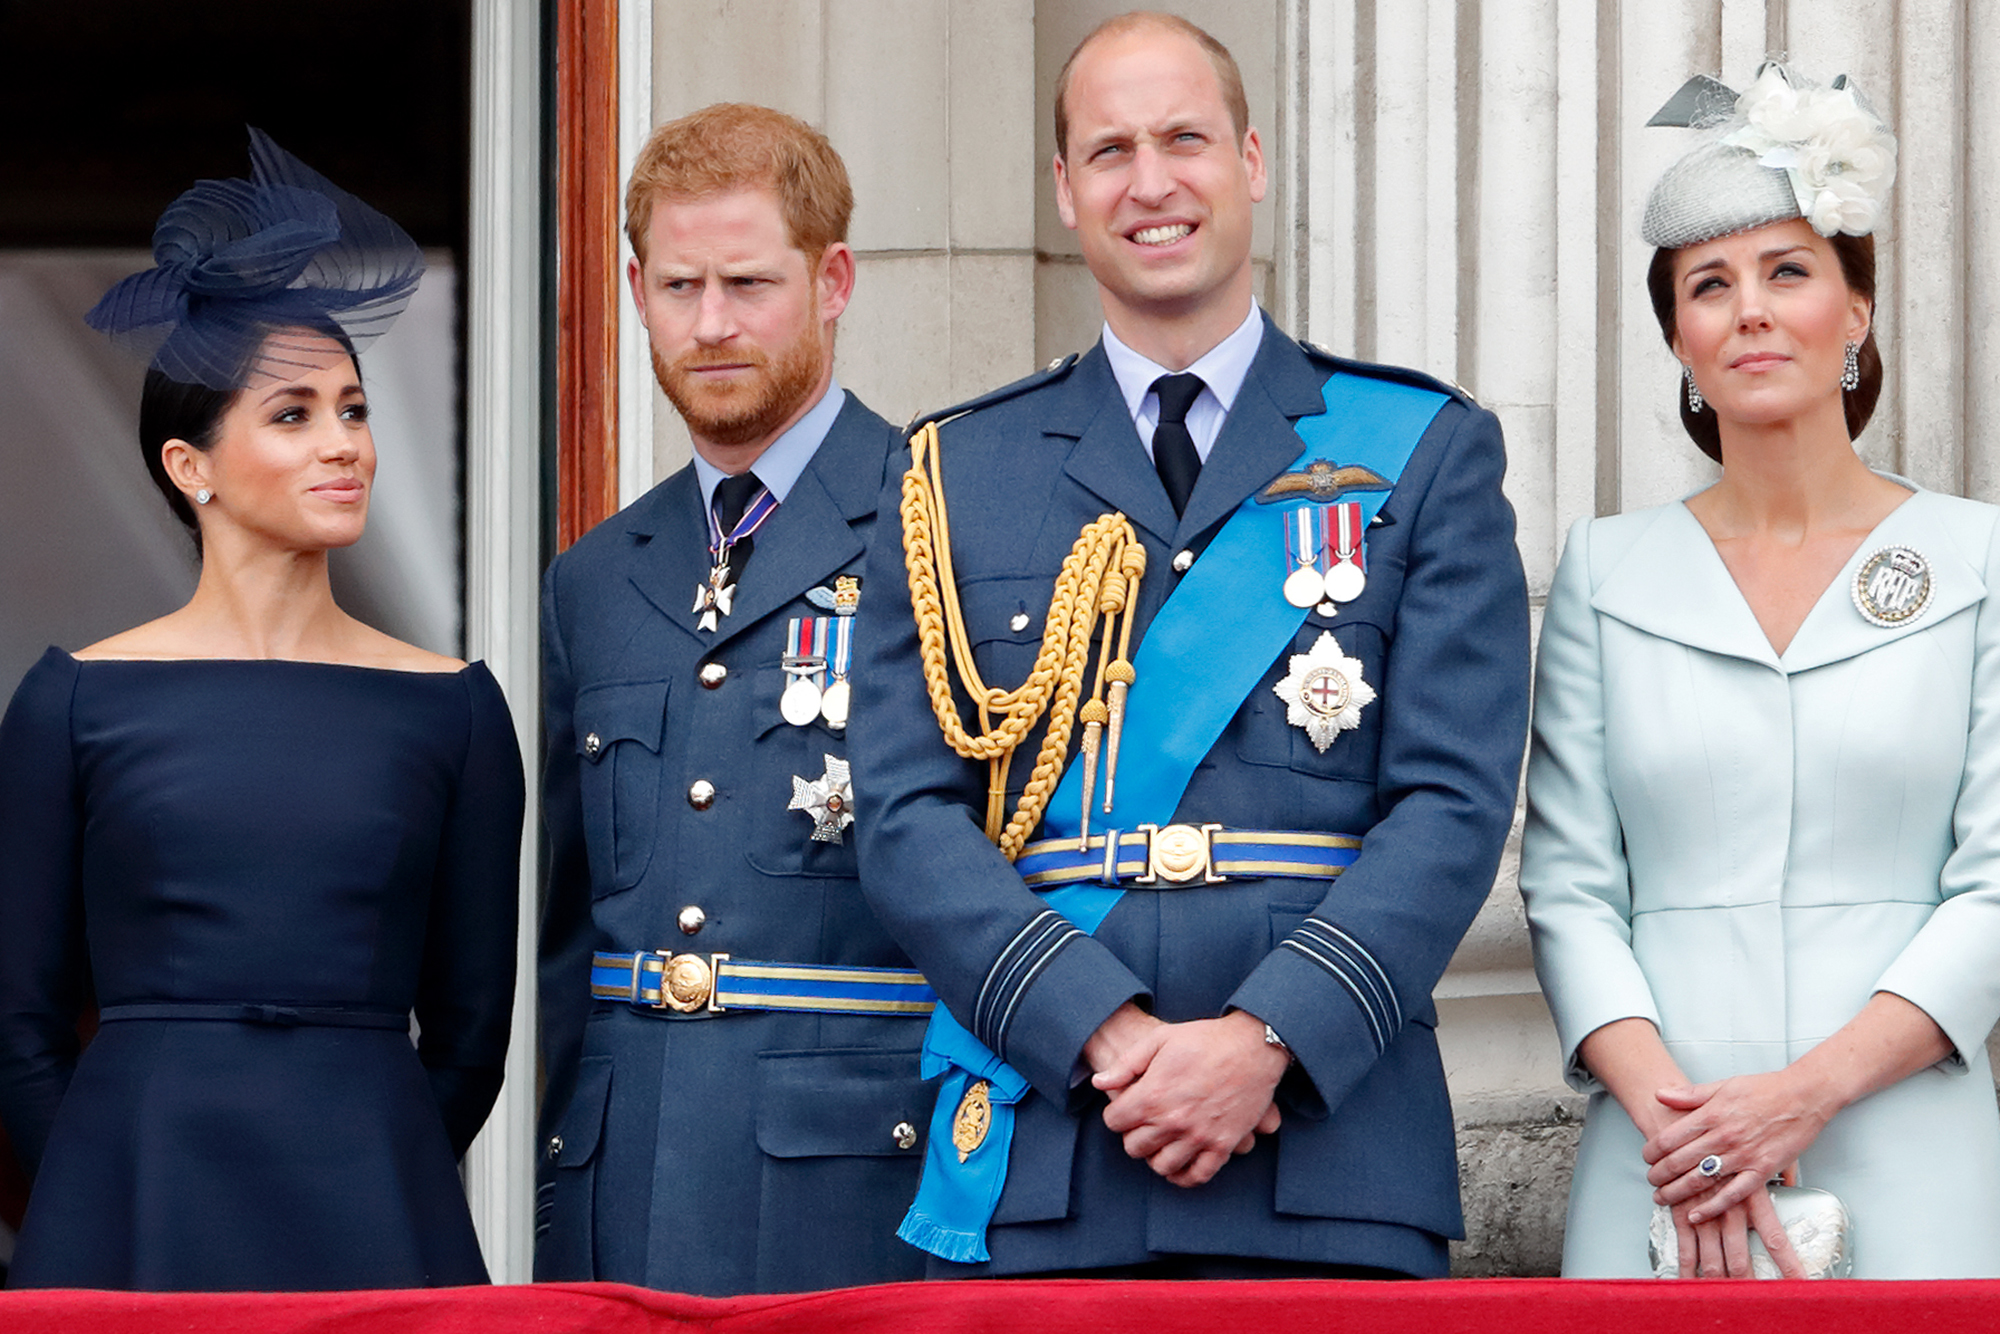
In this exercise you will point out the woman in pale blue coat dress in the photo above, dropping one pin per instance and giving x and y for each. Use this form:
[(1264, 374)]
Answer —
[(1762, 861)]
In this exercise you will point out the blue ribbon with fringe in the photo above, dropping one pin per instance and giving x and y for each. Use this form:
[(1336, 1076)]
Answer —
[(1189, 684)]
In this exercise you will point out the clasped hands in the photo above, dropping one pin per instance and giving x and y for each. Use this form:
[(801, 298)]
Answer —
[(1185, 1097), (1758, 1125)]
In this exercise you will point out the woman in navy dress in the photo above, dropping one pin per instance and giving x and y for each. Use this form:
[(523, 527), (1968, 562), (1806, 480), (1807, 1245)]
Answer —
[(259, 835)]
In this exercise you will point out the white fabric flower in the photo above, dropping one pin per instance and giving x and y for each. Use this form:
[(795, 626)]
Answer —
[(1840, 159)]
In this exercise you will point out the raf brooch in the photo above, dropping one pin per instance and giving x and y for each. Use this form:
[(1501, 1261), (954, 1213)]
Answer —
[(1893, 586), (828, 799), (1324, 692)]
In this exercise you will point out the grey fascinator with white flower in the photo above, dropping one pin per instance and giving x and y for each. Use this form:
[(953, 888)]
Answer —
[(1784, 148), (241, 265)]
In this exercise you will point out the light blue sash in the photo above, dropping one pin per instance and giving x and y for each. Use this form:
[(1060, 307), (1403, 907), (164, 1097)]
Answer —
[(1190, 682)]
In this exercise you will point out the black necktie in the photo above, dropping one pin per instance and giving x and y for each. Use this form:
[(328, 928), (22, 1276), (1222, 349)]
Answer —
[(1174, 454), (732, 497)]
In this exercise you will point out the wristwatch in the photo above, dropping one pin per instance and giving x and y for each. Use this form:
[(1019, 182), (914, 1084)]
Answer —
[(1271, 1039)]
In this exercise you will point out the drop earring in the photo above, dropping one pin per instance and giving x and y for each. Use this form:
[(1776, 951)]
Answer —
[(203, 496), (1695, 401), (1850, 374)]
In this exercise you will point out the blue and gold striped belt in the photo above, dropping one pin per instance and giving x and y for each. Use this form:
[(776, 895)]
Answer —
[(1178, 856), (670, 984)]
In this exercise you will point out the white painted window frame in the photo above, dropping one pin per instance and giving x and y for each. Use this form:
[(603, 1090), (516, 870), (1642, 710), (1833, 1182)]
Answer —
[(503, 509), (635, 366)]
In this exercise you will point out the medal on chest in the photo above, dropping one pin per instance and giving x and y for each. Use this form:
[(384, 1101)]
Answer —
[(828, 799), (1326, 562), (805, 669), (1324, 555), (1324, 692), (820, 688), (714, 596)]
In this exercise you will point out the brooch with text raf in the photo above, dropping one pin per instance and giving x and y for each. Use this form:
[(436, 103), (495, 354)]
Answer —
[(1893, 586)]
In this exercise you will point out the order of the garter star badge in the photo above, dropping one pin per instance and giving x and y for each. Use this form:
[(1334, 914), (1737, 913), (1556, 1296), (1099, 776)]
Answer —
[(1324, 692)]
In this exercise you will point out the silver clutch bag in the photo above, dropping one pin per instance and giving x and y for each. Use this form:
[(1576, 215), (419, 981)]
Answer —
[(1815, 1220)]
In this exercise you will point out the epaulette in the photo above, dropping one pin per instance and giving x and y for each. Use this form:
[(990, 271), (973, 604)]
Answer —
[(1382, 371), (1055, 370)]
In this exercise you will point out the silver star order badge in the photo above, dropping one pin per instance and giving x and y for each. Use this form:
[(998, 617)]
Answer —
[(1324, 692), (828, 799)]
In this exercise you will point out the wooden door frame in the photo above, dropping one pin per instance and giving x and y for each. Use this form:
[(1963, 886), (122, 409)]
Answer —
[(588, 277)]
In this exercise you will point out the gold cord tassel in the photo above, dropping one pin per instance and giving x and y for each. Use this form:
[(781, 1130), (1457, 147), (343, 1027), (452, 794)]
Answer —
[(1121, 676), (1093, 715), (1098, 580)]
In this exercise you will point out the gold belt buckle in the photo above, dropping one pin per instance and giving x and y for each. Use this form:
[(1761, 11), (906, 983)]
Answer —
[(1179, 854), (687, 982)]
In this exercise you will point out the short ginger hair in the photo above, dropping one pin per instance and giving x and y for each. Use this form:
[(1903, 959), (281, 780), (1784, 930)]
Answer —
[(1226, 71), (733, 146)]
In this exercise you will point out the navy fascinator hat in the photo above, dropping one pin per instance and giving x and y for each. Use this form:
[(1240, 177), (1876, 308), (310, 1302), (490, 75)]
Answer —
[(237, 261)]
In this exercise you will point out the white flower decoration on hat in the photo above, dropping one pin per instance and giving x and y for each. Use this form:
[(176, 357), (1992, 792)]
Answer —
[(1836, 152)]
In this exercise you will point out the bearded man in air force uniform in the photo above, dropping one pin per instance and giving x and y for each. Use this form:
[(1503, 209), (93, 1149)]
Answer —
[(730, 1037), (1269, 603)]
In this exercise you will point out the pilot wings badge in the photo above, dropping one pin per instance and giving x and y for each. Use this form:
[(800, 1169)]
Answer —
[(1323, 692)]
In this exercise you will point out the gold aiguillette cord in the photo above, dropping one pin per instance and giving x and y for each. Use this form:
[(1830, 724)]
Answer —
[(1098, 583)]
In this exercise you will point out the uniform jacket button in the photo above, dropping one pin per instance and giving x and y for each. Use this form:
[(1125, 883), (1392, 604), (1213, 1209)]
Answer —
[(592, 744), (713, 674), (692, 919), (701, 795), (556, 1147), (1183, 559), (905, 1135)]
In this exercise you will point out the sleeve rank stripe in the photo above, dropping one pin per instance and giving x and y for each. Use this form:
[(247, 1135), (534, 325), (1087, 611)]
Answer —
[(1354, 989), (1073, 933), (1009, 963), (1360, 953), (1009, 960), (1025, 956), (1051, 931)]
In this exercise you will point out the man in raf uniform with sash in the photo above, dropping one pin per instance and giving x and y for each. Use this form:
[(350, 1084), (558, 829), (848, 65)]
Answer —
[(1191, 710), (730, 1037)]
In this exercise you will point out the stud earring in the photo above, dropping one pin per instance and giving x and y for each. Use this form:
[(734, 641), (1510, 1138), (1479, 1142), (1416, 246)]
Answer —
[(1850, 374), (203, 496), (1695, 400)]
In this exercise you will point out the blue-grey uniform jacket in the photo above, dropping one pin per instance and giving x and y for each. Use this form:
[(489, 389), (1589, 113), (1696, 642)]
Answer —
[(1363, 1170), (712, 1153)]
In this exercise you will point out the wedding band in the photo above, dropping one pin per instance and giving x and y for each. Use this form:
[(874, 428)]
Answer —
[(1710, 1167)]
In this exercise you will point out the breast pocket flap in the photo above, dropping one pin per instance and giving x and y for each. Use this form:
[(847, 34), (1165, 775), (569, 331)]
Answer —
[(622, 711)]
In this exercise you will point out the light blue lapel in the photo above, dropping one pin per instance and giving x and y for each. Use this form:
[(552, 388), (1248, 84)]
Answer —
[(1669, 581), (1927, 523)]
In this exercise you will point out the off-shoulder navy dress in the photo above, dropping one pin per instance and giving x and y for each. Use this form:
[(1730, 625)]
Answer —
[(259, 871)]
